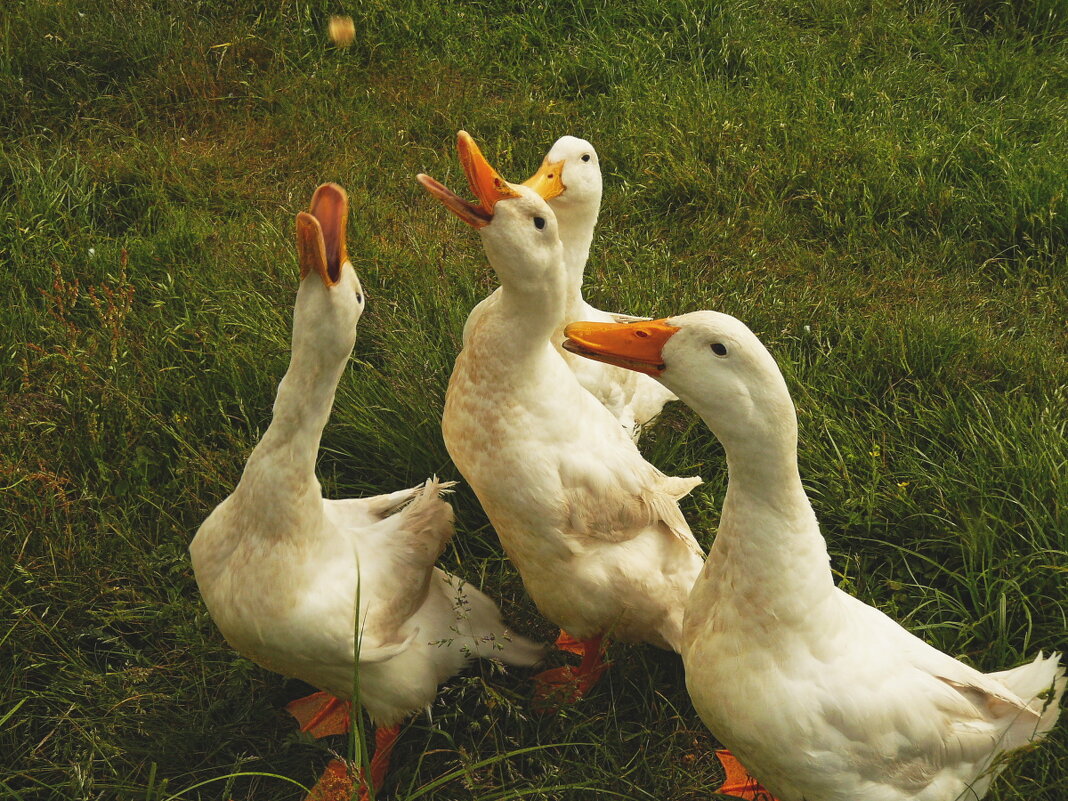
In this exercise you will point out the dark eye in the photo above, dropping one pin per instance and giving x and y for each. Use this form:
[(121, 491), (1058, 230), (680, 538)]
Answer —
[(359, 297), (586, 157), (539, 222), (719, 349)]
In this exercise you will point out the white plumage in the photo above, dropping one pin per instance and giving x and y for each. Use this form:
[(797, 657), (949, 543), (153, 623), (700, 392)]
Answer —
[(282, 570), (594, 530), (820, 696), (570, 180)]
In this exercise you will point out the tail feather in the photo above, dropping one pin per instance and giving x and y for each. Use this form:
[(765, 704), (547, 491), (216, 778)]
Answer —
[(1041, 685), (489, 637)]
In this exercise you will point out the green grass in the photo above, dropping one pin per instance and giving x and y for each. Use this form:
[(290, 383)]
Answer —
[(876, 187)]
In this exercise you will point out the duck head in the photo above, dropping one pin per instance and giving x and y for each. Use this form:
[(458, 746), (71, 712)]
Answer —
[(330, 299), (712, 361), (570, 181), (569, 177), (519, 230)]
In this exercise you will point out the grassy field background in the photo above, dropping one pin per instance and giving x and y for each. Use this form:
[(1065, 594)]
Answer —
[(877, 188)]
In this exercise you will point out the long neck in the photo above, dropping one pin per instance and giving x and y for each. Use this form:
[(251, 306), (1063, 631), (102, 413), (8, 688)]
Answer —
[(282, 465), (576, 235), (534, 310), (768, 539), (301, 410)]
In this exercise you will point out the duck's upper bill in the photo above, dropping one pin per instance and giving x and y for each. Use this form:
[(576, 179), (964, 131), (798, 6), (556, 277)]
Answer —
[(635, 346), (487, 184), (548, 181), (321, 234)]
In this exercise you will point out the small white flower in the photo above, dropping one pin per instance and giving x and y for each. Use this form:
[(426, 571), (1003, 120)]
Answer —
[(92, 252), (808, 328)]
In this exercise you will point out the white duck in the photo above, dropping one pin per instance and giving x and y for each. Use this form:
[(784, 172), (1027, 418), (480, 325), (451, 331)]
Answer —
[(819, 695), (570, 181), (282, 570), (594, 530)]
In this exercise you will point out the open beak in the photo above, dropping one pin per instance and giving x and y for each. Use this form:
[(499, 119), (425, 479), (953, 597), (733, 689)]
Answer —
[(330, 206), (321, 234), (485, 182), (548, 181), (473, 215), (635, 346)]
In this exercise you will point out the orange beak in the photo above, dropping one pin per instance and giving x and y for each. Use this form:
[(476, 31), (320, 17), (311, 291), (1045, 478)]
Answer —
[(321, 234), (485, 182), (473, 215), (548, 181), (634, 346)]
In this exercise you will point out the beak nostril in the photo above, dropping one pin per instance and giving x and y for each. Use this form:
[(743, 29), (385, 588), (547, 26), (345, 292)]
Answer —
[(640, 333)]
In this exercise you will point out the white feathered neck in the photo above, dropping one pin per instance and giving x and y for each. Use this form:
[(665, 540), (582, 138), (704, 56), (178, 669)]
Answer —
[(768, 536), (281, 469)]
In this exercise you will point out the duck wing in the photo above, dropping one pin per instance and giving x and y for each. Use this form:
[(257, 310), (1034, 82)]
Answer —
[(358, 512), (617, 500), (929, 719), (396, 556)]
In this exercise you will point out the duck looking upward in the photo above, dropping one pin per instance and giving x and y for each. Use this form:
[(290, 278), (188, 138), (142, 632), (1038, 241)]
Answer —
[(819, 695), (283, 570), (594, 530), (569, 180)]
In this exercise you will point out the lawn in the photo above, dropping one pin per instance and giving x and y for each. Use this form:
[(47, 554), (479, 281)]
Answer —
[(877, 188)]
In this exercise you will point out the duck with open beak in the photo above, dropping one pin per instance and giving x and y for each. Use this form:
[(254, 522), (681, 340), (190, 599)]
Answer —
[(569, 181), (322, 589), (594, 530)]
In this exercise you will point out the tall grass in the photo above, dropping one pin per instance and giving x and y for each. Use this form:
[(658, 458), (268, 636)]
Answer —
[(877, 188)]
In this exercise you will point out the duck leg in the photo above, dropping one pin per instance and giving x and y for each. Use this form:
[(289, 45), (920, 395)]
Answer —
[(565, 642), (321, 714), (385, 739), (565, 685), (739, 782)]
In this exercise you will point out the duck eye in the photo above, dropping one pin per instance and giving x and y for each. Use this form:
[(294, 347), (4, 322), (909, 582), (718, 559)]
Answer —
[(359, 297), (539, 222), (719, 349), (586, 157)]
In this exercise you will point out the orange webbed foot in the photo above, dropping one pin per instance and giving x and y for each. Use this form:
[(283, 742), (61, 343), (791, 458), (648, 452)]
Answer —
[(336, 782), (321, 714), (739, 782), (334, 785), (565, 642), (565, 685)]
